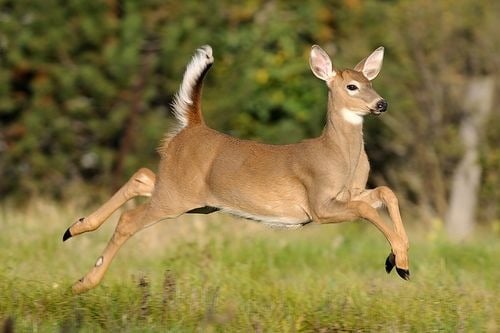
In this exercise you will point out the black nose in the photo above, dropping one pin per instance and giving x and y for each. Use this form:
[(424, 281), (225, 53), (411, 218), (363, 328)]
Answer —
[(381, 105)]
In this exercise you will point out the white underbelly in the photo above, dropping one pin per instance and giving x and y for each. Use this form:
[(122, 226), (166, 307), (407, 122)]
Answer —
[(272, 221)]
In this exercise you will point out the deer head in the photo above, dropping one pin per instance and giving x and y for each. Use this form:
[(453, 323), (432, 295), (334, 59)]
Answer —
[(350, 90)]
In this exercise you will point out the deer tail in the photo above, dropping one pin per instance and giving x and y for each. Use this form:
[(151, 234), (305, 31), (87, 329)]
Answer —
[(186, 105)]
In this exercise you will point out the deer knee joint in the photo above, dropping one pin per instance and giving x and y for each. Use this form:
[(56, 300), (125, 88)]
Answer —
[(146, 176), (364, 210), (333, 212), (387, 195), (143, 182)]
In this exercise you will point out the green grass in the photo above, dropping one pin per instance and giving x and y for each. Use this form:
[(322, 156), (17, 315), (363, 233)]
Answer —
[(215, 273)]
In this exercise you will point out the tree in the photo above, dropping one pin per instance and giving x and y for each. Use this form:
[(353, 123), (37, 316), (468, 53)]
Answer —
[(85, 86)]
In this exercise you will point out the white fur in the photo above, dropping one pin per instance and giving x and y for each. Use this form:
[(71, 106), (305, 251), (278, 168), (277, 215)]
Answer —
[(182, 100), (353, 117), (99, 262), (272, 221)]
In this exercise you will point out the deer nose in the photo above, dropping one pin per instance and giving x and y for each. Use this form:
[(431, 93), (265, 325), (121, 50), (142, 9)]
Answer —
[(381, 105)]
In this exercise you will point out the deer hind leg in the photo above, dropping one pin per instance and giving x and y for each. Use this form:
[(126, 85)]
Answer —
[(140, 184), (337, 211), (384, 195), (130, 222)]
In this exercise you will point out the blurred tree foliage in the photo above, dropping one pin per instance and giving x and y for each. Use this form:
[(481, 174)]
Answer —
[(85, 86)]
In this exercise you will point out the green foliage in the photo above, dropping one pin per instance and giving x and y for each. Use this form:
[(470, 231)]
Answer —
[(85, 86), (228, 275)]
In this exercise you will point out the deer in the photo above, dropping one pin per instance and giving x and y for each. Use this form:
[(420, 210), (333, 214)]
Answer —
[(319, 180)]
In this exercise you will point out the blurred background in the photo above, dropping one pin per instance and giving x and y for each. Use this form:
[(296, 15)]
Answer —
[(85, 89)]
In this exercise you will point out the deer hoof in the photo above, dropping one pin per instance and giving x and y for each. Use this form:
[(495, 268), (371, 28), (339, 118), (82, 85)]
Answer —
[(404, 273), (67, 235), (390, 262)]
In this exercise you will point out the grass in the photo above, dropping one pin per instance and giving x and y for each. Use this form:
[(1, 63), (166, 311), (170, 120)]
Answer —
[(215, 273)]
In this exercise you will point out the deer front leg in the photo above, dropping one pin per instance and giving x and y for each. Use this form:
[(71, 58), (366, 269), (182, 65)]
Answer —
[(384, 195), (337, 211), (140, 184)]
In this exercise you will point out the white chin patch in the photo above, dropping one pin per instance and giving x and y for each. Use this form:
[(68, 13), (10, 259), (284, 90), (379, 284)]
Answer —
[(351, 117)]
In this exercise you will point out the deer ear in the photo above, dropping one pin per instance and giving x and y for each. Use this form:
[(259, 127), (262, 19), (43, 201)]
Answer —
[(321, 64), (370, 66)]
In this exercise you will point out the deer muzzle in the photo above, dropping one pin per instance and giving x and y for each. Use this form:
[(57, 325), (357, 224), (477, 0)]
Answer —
[(381, 106)]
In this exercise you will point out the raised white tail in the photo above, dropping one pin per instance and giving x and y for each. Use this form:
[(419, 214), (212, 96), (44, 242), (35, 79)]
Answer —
[(186, 105), (320, 180)]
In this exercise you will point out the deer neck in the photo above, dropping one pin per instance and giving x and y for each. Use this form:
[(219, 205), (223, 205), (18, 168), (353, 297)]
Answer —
[(344, 137), (343, 127)]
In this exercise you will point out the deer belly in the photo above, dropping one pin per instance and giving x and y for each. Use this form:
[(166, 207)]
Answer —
[(296, 221), (270, 209)]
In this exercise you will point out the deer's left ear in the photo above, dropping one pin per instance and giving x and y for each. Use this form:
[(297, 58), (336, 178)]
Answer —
[(370, 66)]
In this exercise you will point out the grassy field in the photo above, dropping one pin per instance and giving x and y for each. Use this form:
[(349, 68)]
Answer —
[(216, 273)]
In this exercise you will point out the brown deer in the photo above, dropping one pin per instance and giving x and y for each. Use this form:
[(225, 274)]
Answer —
[(320, 180)]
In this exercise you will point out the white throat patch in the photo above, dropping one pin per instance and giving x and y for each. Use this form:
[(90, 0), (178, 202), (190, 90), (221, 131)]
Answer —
[(351, 116)]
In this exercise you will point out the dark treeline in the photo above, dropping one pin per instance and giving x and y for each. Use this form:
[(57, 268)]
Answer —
[(85, 87)]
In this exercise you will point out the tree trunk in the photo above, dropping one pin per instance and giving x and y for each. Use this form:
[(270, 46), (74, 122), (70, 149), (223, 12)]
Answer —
[(478, 103)]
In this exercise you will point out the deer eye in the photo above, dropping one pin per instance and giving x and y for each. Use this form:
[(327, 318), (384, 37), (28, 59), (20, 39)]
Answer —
[(352, 87)]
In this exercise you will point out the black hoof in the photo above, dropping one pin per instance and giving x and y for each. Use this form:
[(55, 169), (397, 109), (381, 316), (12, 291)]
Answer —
[(404, 273), (390, 262), (66, 235)]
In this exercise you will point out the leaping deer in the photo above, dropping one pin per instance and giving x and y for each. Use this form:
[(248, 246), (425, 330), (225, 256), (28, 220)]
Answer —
[(320, 180)]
